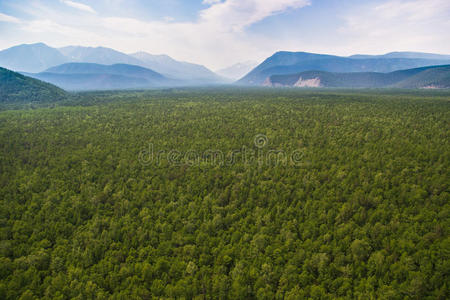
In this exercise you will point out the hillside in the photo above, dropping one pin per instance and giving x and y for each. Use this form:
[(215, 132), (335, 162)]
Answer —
[(438, 77), (15, 87), (426, 77), (295, 62), (88, 76), (97, 55)]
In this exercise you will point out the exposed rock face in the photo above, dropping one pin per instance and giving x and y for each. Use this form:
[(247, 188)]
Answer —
[(313, 82), (267, 82), (432, 87)]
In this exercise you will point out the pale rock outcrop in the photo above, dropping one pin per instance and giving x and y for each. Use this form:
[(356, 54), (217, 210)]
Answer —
[(267, 82), (313, 82)]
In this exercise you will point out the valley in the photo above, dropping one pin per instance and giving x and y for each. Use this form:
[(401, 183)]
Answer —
[(88, 209)]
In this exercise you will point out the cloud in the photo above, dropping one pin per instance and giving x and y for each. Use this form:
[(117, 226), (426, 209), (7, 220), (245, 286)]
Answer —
[(413, 11), (217, 38), (223, 34), (168, 19), (235, 15), (208, 2), (79, 6), (9, 19), (402, 25), (48, 26)]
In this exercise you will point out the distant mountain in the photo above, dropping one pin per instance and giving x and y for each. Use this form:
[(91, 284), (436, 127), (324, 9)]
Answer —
[(97, 55), (295, 62), (15, 87), (238, 70), (31, 57), (37, 58), (425, 77), (177, 69), (89, 76)]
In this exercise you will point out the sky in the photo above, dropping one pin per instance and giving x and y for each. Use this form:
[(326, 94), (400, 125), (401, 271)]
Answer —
[(219, 33)]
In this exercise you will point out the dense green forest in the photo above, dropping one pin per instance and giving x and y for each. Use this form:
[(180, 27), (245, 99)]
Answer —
[(362, 212), (14, 87)]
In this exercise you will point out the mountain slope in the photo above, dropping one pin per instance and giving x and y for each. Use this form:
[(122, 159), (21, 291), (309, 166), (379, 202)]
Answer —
[(426, 77), (89, 76), (176, 69), (97, 55), (15, 87), (31, 57), (160, 63), (433, 77), (295, 62)]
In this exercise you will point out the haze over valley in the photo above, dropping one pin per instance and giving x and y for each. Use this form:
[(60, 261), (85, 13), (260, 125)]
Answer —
[(77, 68)]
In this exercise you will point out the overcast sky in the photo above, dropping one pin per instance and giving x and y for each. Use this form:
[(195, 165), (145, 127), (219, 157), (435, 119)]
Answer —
[(219, 33)]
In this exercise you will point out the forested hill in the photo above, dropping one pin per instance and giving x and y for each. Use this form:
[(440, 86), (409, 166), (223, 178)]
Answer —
[(89, 76), (282, 63), (425, 77), (15, 87)]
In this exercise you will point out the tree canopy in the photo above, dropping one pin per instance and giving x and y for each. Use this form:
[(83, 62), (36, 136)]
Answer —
[(364, 214)]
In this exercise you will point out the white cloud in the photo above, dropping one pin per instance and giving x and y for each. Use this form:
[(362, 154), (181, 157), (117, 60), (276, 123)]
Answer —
[(208, 2), (43, 26), (221, 37), (401, 25), (79, 6), (235, 15), (168, 19), (217, 38), (9, 19), (416, 10)]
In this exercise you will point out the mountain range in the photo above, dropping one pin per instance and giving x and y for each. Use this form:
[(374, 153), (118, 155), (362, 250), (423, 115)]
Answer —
[(283, 62), (98, 68), (36, 58), (15, 87), (425, 77)]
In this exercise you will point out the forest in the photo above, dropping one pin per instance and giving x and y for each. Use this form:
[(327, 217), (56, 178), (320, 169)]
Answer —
[(362, 213)]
